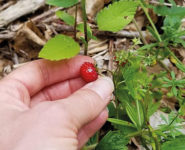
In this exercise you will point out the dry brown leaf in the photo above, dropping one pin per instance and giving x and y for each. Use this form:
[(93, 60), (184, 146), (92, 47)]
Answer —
[(28, 41), (92, 7)]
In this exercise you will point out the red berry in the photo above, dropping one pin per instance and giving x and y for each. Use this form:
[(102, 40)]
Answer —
[(88, 72)]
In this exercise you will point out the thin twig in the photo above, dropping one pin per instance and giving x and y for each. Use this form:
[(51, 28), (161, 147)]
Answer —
[(111, 51), (140, 33), (46, 14), (83, 3)]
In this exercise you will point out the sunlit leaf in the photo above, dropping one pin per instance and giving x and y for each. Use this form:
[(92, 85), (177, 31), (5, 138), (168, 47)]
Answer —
[(60, 47)]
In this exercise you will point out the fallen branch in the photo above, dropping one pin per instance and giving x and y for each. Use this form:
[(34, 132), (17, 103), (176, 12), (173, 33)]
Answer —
[(19, 9)]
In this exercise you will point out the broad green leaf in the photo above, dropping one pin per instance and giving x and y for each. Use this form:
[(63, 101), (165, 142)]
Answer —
[(117, 15), (176, 144), (120, 122), (113, 140), (62, 3), (68, 19), (60, 47)]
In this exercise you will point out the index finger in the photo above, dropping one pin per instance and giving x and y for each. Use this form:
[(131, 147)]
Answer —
[(42, 73)]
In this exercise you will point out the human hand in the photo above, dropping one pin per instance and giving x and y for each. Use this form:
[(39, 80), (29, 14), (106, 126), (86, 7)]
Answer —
[(45, 105)]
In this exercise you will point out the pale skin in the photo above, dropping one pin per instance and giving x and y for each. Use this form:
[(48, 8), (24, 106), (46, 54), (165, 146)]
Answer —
[(45, 105)]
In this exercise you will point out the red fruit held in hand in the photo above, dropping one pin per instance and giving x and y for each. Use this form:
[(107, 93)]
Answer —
[(88, 72)]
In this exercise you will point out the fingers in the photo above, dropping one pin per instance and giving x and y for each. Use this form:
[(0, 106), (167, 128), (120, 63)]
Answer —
[(58, 91), (41, 73), (88, 102), (90, 129)]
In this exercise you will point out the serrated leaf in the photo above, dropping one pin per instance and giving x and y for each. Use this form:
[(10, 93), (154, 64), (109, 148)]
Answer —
[(68, 19), (117, 15), (113, 140), (120, 122), (175, 144), (60, 47), (62, 3)]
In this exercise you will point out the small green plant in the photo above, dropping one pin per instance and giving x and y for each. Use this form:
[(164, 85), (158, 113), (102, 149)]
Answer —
[(174, 84)]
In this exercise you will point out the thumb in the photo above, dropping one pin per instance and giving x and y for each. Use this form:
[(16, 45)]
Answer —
[(87, 103)]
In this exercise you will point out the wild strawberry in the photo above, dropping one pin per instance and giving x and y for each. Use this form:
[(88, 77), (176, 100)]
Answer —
[(88, 72)]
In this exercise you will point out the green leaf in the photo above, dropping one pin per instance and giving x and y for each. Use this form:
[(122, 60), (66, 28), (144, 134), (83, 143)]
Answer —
[(174, 91), (173, 11), (135, 114), (68, 19), (175, 144), (151, 30), (120, 122), (172, 2), (153, 108), (117, 15), (173, 75), (148, 46), (62, 3), (126, 131), (60, 47), (112, 109), (181, 67), (113, 140)]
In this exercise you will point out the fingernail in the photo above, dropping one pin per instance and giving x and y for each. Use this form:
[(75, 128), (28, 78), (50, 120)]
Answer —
[(103, 87)]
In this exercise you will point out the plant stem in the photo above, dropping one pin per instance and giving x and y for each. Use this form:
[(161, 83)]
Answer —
[(140, 33), (156, 32), (83, 3), (75, 25), (173, 119), (134, 134), (154, 136), (151, 22)]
